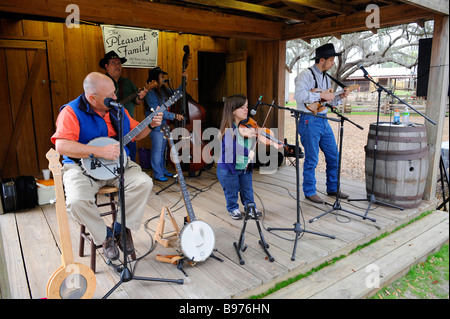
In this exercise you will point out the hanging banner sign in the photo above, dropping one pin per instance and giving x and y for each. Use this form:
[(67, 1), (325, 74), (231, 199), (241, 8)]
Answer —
[(139, 46)]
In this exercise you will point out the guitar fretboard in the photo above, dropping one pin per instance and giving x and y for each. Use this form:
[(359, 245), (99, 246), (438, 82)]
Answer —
[(181, 181), (134, 132)]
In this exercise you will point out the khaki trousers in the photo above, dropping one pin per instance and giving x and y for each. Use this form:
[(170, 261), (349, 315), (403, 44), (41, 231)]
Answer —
[(80, 192)]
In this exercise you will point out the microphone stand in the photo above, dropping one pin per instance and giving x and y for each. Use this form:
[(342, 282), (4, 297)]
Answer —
[(175, 181), (371, 197), (297, 225), (126, 275), (337, 203)]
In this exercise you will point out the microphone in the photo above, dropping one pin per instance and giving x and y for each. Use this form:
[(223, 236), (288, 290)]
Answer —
[(167, 80), (109, 102), (253, 111), (363, 69)]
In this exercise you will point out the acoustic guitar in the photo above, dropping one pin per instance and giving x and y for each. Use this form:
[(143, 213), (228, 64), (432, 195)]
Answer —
[(317, 107), (71, 280), (103, 169), (196, 238), (148, 86)]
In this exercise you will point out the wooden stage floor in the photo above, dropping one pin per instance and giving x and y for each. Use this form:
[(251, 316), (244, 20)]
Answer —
[(30, 241)]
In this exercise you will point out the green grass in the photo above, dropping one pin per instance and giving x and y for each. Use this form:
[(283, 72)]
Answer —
[(427, 280)]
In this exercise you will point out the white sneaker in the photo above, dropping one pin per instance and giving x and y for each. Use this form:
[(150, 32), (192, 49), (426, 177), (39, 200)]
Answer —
[(235, 214)]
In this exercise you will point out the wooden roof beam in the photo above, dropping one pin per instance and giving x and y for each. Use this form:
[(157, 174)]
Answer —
[(324, 5), (307, 12), (152, 15), (253, 8), (389, 16)]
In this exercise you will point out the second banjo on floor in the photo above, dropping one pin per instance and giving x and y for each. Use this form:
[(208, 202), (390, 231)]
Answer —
[(103, 169), (196, 238)]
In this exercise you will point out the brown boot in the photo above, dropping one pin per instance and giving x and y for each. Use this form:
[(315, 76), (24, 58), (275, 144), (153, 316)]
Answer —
[(315, 199), (129, 242), (341, 194), (110, 249)]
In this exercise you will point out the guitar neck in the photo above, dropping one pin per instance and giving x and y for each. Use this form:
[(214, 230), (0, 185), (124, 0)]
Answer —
[(148, 86), (129, 98), (134, 132), (350, 88), (181, 181)]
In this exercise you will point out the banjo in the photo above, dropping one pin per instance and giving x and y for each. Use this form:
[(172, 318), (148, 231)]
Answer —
[(71, 280), (196, 238), (104, 169)]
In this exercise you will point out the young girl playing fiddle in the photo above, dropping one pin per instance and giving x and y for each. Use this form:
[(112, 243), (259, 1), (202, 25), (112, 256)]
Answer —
[(234, 168)]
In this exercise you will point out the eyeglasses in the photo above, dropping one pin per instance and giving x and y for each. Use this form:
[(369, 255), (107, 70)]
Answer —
[(113, 95), (114, 63)]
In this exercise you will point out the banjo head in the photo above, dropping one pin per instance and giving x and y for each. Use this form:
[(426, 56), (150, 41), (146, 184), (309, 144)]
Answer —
[(197, 240), (75, 281), (107, 168)]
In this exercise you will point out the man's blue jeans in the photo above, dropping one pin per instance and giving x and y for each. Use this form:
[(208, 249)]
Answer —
[(240, 183), (316, 133)]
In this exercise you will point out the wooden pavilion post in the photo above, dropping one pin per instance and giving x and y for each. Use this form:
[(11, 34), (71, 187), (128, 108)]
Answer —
[(437, 95)]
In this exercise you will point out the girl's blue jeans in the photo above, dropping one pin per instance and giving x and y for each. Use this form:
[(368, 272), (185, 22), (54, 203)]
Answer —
[(233, 185)]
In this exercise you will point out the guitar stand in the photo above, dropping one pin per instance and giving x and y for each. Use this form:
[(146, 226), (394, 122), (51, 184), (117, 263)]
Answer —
[(337, 204), (175, 182), (179, 260), (161, 238), (240, 246)]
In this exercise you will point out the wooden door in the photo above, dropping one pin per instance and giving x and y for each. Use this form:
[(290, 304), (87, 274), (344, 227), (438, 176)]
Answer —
[(236, 73), (26, 123)]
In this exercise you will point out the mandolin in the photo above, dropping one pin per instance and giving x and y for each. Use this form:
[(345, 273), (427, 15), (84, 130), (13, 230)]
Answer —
[(317, 107), (104, 169), (196, 238), (71, 280)]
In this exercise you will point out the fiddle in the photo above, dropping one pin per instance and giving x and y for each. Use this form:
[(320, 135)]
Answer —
[(265, 135)]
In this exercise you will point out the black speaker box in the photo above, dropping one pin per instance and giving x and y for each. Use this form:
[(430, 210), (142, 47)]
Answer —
[(423, 66)]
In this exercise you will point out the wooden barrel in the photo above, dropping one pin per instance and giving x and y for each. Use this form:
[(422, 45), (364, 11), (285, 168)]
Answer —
[(401, 163)]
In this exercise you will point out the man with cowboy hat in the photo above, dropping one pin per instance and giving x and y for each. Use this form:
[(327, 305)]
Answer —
[(112, 63), (315, 132)]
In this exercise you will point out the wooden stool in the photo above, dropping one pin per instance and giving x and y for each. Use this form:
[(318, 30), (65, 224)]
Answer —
[(110, 191)]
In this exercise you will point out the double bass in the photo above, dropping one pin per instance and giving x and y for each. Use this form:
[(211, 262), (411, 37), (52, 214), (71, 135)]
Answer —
[(194, 121)]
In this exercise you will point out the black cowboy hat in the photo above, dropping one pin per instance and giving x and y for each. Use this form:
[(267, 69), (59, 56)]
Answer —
[(154, 73), (326, 51), (108, 56)]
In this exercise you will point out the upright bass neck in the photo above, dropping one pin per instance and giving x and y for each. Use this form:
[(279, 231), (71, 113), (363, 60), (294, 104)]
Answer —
[(184, 101)]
